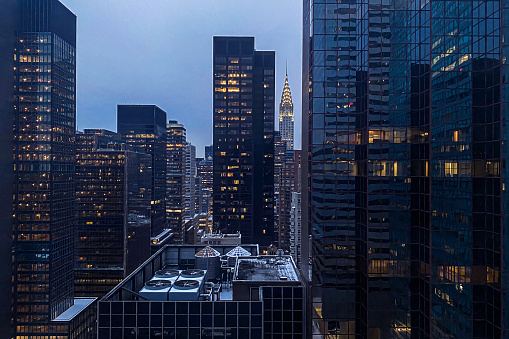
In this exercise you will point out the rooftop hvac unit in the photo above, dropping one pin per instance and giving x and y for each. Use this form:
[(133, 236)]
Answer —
[(169, 274), (185, 290), (156, 290)]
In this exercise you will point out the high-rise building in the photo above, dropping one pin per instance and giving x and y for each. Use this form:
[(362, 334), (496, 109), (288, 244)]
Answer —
[(9, 20), (144, 128), (286, 116), (175, 176), (190, 182), (243, 196), (288, 185), (44, 174), (209, 151), (296, 228), (204, 169), (113, 192), (280, 158), (403, 191)]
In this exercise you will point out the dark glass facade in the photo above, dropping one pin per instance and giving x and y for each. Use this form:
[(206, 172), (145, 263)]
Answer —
[(113, 192), (144, 128), (243, 194), (175, 176), (403, 177), (9, 20), (44, 166)]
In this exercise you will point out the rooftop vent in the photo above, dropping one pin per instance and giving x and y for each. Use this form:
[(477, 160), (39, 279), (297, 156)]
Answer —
[(193, 273), (157, 284), (167, 273), (186, 284)]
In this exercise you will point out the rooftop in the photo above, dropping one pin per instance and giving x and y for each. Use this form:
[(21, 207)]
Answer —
[(79, 305), (266, 268)]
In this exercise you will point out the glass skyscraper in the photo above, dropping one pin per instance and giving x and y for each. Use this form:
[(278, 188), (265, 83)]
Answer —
[(403, 169), (243, 194), (144, 128)]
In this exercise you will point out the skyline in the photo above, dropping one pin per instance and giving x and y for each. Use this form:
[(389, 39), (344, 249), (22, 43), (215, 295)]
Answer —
[(105, 77)]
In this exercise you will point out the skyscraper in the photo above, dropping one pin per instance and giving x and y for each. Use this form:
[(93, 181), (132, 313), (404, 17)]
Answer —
[(402, 189), (204, 168), (243, 139), (175, 176), (113, 192), (190, 182), (44, 173), (9, 20), (286, 115), (144, 128), (289, 184), (209, 151)]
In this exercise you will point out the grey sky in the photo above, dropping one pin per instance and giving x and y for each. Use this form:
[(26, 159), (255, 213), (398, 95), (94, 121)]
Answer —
[(160, 52)]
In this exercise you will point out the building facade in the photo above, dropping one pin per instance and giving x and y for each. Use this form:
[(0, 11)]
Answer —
[(402, 127), (204, 170), (113, 192), (44, 173), (190, 182), (144, 128), (175, 175), (243, 194), (296, 229), (286, 117), (289, 183), (9, 21)]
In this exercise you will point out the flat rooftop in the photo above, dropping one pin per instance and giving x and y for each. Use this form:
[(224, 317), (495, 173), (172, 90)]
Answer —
[(221, 235), (266, 268), (79, 305)]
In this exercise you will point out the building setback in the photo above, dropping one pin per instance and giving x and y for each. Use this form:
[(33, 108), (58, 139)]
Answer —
[(403, 184), (286, 117), (144, 128), (243, 194), (175, 176), (113, 191), (44, 174)]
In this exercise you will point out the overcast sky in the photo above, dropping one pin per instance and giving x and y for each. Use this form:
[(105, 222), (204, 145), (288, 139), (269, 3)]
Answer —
[(160, 52)]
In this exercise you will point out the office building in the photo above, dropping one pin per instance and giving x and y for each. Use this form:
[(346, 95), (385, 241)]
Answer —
[(44, 174), (279, 160), (9, 20), (175, 176), (402, 127), (144, 128), (286, 117), (288, 185), (243, 194), (190, 182), (192, 292), (113, 192), (209, 151), (204, 169), (296, 229)]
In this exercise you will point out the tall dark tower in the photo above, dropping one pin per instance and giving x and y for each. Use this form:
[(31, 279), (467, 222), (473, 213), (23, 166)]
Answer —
[(9, 20), (144, 128), (404, 191), (243, 194), (44, 168)]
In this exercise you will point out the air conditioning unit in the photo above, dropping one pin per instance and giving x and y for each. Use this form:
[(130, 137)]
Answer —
[(156, 289)]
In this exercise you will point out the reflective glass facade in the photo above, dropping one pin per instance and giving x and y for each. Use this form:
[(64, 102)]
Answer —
[(144, 128), (44, 166), (403, 125), (243, 197)]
